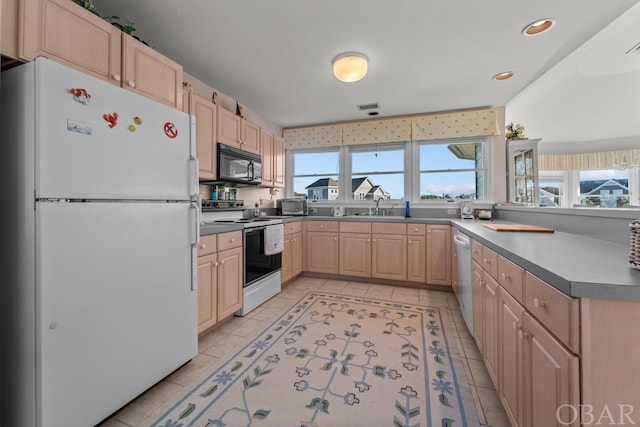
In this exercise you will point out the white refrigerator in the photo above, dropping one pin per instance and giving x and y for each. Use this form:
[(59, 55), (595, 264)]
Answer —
[(100, 228)]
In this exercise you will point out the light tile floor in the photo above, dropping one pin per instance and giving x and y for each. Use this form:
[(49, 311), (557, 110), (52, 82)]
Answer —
[(214, 345)]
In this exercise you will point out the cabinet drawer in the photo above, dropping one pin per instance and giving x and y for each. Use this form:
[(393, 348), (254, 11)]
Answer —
[(355, 227), (511, 277), (416, 229), (490, 261), (293, 227), (207, 245), (229, 240), (476, 251), (387, 228), (332, 226), (556, 311)]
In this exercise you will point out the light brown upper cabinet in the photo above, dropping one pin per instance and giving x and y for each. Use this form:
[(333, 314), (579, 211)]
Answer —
[(150, 73), (205, 113), (67, 33), (272, 152), (237, 132)]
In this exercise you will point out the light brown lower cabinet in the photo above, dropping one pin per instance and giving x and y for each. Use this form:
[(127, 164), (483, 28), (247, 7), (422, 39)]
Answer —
[(355, 254), (219, 278), (535, 374), (322, 247), (292, 256), (439, 254)]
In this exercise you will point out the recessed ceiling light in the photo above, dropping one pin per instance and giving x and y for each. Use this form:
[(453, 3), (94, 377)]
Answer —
[(538, 27), (503, 76), (373, 113)]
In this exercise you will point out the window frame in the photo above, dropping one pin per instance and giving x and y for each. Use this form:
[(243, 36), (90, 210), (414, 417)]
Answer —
[(411, 169)]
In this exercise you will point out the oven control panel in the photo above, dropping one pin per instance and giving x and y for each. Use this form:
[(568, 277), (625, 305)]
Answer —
[(220, 205)]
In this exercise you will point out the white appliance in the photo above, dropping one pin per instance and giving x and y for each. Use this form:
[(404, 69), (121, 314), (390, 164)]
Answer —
[(98, 294), (464, 290)]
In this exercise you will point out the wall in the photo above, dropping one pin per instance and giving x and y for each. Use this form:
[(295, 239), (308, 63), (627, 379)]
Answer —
[(606, 224)]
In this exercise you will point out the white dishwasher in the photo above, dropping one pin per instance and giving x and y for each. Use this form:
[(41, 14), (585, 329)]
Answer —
[(463, 242)]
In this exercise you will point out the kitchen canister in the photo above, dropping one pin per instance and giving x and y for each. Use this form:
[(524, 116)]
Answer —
[(634, 249)]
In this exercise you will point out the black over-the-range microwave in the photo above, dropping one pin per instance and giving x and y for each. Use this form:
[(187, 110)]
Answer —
[(238, 166)]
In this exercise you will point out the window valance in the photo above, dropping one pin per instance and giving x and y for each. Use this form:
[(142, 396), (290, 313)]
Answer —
[(587, 161), (455, 124)]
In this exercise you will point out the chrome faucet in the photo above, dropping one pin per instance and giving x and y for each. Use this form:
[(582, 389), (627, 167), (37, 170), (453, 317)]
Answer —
[(378, 201)]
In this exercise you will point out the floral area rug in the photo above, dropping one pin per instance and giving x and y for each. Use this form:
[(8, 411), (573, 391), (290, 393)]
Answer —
[(336, 360)]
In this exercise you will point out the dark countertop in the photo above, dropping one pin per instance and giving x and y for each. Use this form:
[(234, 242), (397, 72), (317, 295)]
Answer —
[(575, 265)]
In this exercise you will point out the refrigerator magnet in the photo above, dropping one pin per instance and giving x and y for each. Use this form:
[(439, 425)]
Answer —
[(80, 95), (112, 119), (132, 128), (170, 130), (137, 120), (77, 126)]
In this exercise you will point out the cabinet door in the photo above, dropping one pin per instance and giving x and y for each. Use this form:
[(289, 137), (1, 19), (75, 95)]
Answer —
[(207, 291), (322, 252), (150, 73), (228, 128), (416, 254), (551, 378), (278, 162), (266, 151), (455, 280), (68, 33), (229, 282), (297, 253), (205, 114), (250, 137), (476, 295), (286, 271), (438, 254), (389, 256), (490, 326), (355, 254), (510, 377)]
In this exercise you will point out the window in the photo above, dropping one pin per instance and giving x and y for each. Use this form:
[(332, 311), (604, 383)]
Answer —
[(451, 170), (420, 171), (377, 173), (316, 174), (552, 188), (607, 188)]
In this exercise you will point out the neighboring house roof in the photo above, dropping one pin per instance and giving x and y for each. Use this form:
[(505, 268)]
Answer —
[(357, 182), (594, 187), (323, 182)]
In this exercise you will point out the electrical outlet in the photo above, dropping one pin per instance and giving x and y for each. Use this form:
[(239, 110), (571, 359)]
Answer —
[(451, 211)]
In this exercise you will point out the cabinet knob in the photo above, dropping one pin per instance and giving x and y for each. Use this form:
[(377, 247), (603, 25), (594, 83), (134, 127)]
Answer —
[(514, 325), (116, 77), (505, 276), (222, 262), (335, 238), (202, 246), (368, 240), (321, 226), (409, 241), (233, 240), (538, 303), (486, 261), (131, 83), (216, 264)]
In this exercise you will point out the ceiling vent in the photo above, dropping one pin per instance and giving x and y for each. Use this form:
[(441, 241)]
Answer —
[(368, 106), (634, 50)]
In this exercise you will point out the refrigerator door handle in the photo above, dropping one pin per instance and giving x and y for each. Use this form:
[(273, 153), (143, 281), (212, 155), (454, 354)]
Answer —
[(195, 207), (193, 159)]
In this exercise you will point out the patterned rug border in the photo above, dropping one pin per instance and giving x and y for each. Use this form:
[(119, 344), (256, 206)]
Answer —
[(462, 390)]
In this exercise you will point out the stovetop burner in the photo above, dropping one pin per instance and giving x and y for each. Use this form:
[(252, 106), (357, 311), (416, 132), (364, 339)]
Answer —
[(222, 205)]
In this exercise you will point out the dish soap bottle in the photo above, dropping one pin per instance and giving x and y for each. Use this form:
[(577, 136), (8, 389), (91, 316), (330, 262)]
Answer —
[(256, 211), (407, 210)]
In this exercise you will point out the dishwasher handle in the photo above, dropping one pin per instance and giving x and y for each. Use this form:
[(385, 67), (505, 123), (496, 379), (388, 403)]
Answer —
[(462, 240)]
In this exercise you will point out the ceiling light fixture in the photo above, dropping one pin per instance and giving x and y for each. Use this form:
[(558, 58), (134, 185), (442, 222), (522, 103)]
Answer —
[(350, 67), (503, 76), (538, 27)]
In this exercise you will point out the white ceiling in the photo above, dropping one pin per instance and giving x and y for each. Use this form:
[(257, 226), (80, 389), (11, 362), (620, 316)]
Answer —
[(424, 56)]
